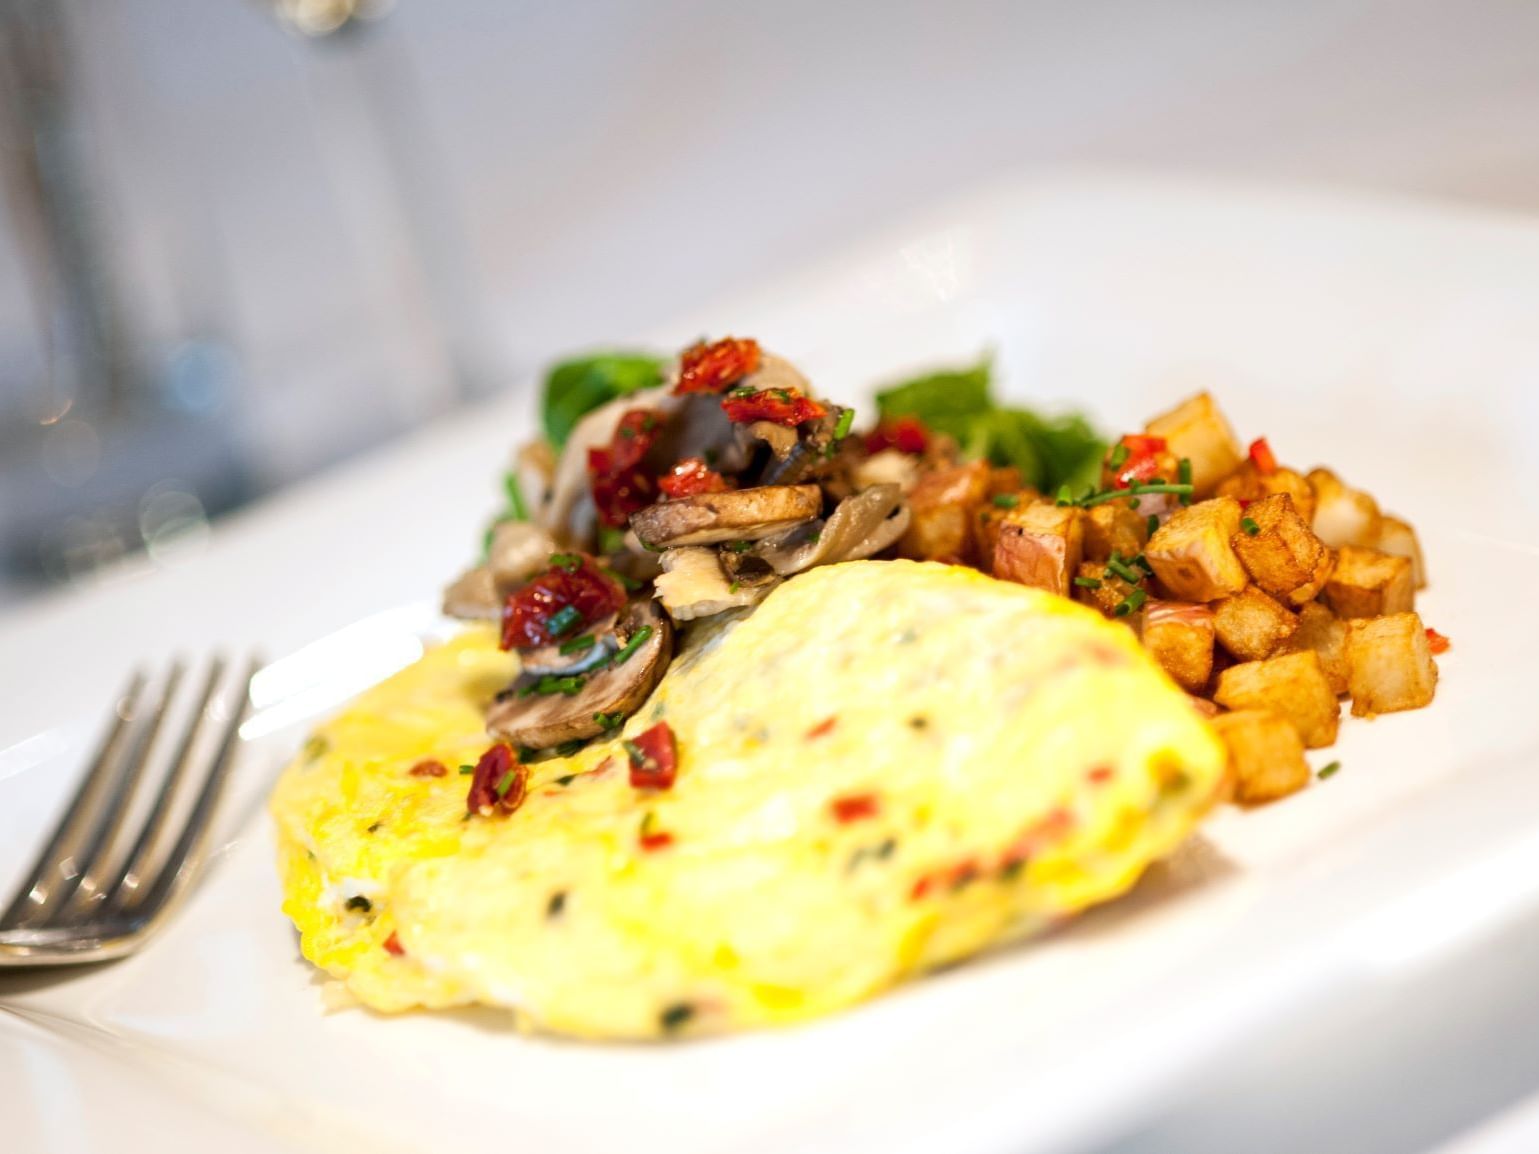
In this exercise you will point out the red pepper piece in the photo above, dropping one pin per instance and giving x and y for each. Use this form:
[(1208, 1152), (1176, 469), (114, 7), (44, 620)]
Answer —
[(654, 757), (620, 481), (584, 587), (1143, 460), (1437, 643), (714, 367), (822, 728), (778, 406), (498, 783), (690, 476), (429, 768), (1100, 775), (906, 434), (1262, 457), (854, 807), (393, 946), (651, 842)]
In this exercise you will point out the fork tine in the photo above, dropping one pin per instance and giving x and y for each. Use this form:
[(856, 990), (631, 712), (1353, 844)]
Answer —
[(186, 856), (106, 845), (42, 887), (132, 869)]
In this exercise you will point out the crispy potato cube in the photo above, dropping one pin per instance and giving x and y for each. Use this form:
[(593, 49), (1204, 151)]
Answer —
[(1196, 430), (1322, 631), (1266, 757), (1192, 555), (1040, 545), (1390, 665), (1343, 515), (1251, 625), (942, 507), (1247, 484), (1397, 537), (1283, 555), (986, 523), (1114, 528), (1179, 635), (1368, 583), (1293, 686), (1109, 592)]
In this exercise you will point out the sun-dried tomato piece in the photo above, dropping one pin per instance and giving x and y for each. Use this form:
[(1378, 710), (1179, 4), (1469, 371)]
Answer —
[(654, 757), (1437, 644), (1262, 457), (690, 476), (906, 434), (787, 406), (429, 768), (620, 482), (854, 807), (498, 783), (715, 367), (561, 602), (651, 842)]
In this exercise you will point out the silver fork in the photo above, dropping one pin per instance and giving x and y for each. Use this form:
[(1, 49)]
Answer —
[(94, 893)]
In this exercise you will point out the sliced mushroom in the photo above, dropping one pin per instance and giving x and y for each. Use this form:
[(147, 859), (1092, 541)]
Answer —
[(542, 720), (693, 585), (550, 659), (811, 456), (859, 527), (743, 515), (473, 596), (780, 439), (519, 551)]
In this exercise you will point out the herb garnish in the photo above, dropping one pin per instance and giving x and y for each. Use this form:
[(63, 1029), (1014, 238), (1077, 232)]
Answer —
[(1132, 603), (563, 619), (1250, 526), (675, 1016), (1153, 524), (1115, 564), (568, 562), (842, 427), (1119, 457), (1088, 582), (609, 720), (1006, 500), (638, 639), (467, 769), (1184, 475), (1329, 770), (577, 644)]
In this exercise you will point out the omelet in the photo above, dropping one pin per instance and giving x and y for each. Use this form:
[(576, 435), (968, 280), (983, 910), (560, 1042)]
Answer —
[(886, 767)]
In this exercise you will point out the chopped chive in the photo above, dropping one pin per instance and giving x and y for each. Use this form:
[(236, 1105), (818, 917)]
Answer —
[(556, 904), (1115, 564), (563, 619), (733, 588), (638, 639), (1119, 457), (464, 769), (578, 644), (1250, 526), (608, 720), (1132, 603), (648, 821), (570, 562), (842, 429), (1143, 563), (504, 783), (675, 1016), (610, 539), (1134, 490), (1329, 770), (1065, 495), (566, 779), (1184, 475), (1087, 582), (1153, 524), (740, 546), (1006, 500), (550, 683), (567, 748), (639, 756), (516, 504)]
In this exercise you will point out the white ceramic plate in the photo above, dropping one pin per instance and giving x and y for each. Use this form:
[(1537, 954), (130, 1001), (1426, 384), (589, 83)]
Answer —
[(1398, 343)]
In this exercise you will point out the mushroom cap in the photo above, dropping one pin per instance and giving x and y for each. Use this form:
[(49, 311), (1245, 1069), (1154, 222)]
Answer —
[(739, 515), (859, 527), (693, 584), (540, 721)]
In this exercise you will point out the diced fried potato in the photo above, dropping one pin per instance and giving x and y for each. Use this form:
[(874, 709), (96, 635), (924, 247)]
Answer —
[(1114, 528), (942, 507), (1179, 635), (1368, 583), (1283, 556), (1266, 757), (1109, 591), (1397, 537), (1251, 625), (1247, 484), (1040, 545), (1390, 665), (1192, 555), (1196, 429), (1322, 631), (1293, 686), (1343, 515), (986, 523)]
